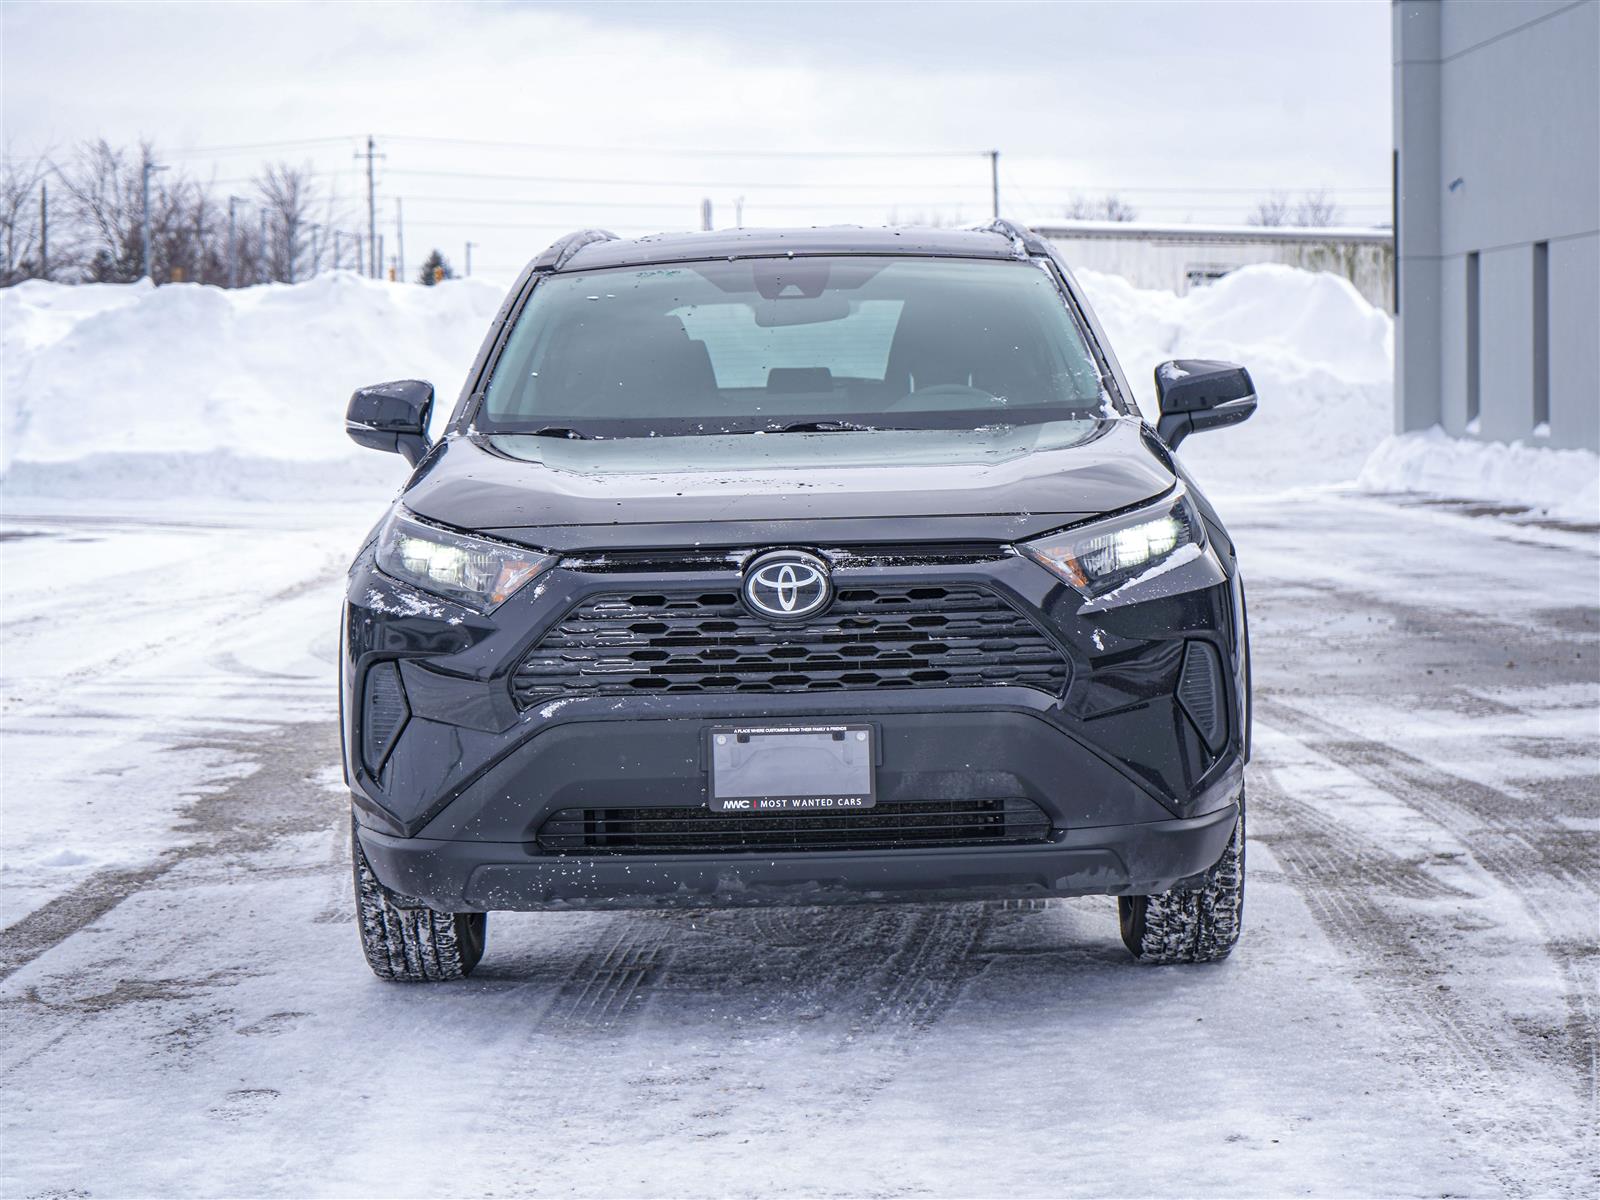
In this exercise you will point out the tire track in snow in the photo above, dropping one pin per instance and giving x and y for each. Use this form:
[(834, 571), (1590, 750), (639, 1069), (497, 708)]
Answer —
[(1539, 860), (607, 988), (1462, 1047)]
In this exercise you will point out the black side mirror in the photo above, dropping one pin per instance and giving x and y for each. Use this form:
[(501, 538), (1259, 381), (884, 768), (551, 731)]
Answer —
[(1197, 393), (391, 416)]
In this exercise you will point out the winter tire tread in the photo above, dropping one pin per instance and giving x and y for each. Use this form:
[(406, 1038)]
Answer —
[(411, 942), (1190, 925)]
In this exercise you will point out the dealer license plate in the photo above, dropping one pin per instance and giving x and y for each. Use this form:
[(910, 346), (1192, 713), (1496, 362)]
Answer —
[(792, 768)]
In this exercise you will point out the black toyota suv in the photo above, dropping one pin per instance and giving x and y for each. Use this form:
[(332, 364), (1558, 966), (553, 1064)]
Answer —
[(794, 567)]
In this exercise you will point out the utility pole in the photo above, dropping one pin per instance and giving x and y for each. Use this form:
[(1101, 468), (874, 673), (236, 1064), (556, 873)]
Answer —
[(470, 245), (200, 241), (372, 156), (233, 242), (738, 212), (149, 169), (994, 181), (400, 239), (705, 213), (44, 231), (361, 262)]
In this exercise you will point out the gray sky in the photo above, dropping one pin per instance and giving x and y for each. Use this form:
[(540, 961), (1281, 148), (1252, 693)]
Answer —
[(1189, 111)]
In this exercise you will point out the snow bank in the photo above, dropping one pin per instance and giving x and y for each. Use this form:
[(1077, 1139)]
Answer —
[(1320, 355), (130, 390), (117, 389), (1559, 483)]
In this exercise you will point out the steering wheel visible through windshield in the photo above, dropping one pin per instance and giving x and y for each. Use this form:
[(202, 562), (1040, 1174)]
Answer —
[(813, 343)]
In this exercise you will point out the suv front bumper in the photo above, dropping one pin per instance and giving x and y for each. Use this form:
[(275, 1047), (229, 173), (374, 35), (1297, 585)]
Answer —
[(1137, 859)]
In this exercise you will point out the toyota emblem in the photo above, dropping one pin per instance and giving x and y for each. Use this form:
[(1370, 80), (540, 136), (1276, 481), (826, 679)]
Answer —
[(787, 585)]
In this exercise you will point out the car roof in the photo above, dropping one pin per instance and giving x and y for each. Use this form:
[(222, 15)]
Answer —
[(594, 249)]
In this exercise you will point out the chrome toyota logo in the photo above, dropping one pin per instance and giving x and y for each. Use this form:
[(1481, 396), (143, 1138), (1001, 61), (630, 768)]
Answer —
[(787, 585)]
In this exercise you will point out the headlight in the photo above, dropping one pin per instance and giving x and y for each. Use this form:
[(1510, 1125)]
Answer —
[(469, 570), (1101, 557)]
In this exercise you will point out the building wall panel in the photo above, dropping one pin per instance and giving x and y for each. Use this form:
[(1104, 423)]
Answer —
[(1575, 342)]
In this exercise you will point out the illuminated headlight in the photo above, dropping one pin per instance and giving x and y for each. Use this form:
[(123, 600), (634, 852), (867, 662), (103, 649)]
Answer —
[(1100, 557), (469, 570)]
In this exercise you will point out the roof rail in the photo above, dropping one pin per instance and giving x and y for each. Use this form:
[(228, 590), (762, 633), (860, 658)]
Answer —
[(1023, 237), (562, 249)]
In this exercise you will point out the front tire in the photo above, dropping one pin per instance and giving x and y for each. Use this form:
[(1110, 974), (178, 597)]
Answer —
[(407, 941), (1198, 924)]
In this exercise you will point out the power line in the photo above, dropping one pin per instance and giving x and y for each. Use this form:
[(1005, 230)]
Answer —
[(694, 183), (980, 188), (316, 141), (1030, 212), (654, 205), (1246, 190), (684, 151)]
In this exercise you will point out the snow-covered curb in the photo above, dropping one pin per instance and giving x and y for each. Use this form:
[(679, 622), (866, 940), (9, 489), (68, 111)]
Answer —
[(1564, 484)]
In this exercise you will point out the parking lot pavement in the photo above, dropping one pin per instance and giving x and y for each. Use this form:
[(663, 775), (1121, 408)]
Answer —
[(184, 1009)]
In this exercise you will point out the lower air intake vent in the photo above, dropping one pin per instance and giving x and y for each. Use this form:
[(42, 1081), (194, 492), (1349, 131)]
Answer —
[(1200, 693), (383, 716), (899, 826)]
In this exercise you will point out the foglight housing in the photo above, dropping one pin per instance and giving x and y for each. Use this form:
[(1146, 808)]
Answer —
[(474, 571), (1102, 556)]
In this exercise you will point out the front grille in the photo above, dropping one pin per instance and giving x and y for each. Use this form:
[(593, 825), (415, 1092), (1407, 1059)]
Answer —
[(897, 826), (626, 644)]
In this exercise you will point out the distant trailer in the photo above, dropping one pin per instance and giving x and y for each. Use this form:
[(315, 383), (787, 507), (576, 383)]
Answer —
[(1180, 257)]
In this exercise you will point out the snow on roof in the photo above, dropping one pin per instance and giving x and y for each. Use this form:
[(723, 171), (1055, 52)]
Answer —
[(1147, 231)]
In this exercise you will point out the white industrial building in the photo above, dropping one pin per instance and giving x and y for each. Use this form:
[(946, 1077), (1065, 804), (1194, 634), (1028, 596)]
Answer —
[(1497, 177), (1180, 257)]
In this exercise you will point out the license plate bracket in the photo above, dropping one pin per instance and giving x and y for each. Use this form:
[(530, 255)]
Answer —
[(792, 769)]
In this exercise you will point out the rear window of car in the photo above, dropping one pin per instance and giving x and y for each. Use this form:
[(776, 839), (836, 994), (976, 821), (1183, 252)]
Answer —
[(761, 345), (744, 355)]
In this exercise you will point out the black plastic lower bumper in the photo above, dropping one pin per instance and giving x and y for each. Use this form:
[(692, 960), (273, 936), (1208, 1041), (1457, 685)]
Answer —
[(1105, 860)]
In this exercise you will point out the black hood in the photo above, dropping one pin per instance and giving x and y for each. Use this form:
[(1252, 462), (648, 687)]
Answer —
[(996, 484)]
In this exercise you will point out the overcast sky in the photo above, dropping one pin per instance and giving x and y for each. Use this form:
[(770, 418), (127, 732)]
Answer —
[(1189, 111)]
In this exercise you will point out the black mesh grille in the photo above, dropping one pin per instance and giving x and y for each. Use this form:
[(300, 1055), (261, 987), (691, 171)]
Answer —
[(386, 713), (1200, 692), (870, 637), (699, 830)]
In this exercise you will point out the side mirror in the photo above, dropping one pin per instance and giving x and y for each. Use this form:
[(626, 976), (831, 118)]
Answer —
[(1197, 393), (391, 416)]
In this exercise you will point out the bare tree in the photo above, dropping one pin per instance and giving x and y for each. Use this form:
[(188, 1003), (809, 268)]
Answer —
[(1110, 207), (1115, 208), (1316, 209), (104, 203), (288, 196), (1271, 211), (19, 218), (98, 221)]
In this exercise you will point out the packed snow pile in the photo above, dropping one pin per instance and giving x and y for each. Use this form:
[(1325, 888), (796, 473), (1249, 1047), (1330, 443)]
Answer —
[(128, 390), (1320, 355), (1564, 484), (124, 388)]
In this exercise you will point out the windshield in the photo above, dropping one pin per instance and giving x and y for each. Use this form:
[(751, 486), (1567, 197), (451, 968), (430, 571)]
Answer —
[(774, 344)]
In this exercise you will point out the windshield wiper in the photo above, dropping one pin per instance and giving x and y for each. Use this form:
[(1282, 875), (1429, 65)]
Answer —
[(827, 427), (560, 431)]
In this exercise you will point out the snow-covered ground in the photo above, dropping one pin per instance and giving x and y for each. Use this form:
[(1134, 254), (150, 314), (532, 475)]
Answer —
[(183, 1005), (1560, 484)]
